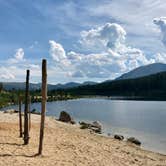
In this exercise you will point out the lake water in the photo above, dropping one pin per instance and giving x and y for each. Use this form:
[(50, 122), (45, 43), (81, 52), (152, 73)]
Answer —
[(145, 120)]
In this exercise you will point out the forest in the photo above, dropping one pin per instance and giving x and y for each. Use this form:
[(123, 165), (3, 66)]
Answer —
[(148, 87)]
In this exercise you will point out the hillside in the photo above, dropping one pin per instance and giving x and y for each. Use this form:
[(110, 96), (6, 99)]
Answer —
[(153, 86), (144, 71), (33, 86)]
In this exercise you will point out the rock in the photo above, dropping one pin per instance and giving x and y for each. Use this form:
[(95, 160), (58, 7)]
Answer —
[(65, 117), (119, 137), (96, 130), (15, 111), (109, 134), (84, 125), (95, 126), (10, 111), (72, 121), (34, 111), (134, 141)]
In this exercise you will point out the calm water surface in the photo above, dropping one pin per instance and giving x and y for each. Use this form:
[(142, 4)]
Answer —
[(145, 120)]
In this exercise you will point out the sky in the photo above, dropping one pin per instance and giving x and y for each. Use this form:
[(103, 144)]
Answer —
[(89, 40)]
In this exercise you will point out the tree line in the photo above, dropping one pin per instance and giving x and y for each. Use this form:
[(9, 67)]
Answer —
[(150, 87)]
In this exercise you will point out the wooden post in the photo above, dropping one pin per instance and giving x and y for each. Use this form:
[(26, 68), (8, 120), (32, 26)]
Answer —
[(29, 113), (26, 132), (43, 104), (20, 116)]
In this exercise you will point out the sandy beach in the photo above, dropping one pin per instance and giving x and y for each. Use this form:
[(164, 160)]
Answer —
[(67, 145)]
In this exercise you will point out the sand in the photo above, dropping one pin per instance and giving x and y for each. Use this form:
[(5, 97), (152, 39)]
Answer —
[(67, 145)]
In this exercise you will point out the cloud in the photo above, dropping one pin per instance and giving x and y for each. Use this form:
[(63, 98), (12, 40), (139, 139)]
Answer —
[(77, 74), (161, 22), (136, 17), (58, 54), (110, 55), (118, 56), (18, 56), (33, 45), (107, 36), (6, 74), (14, 68), (160, 57), (56, 51)]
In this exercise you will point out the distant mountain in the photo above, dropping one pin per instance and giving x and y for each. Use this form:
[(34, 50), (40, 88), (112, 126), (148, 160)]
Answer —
[(33, 86), (19, 86), (144, 71), (89, 83), (64, 86)]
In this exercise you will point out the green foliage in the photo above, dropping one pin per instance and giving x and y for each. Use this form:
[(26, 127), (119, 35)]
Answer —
[(12, 96), (7, 98), (1, 87)]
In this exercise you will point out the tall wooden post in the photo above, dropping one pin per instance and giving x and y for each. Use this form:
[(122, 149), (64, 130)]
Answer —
[(29, 113), (26, 127), (43, 104), (20, 116)]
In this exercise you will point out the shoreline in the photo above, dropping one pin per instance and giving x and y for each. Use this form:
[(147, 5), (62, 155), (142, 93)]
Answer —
[(125, 98), (66, 144), (144, 137)]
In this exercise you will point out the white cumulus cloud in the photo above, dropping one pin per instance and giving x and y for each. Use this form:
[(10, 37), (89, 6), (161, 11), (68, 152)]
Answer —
[(107, 36), (58, 54), (18, 56), (160, 58), (161, 22), (110, 55), (56, 51)]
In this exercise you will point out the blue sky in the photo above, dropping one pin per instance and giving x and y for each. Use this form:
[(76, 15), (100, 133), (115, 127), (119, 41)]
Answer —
[(82, 40)]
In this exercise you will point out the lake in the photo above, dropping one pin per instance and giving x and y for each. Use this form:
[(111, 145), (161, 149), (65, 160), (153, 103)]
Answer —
[(145, 120)]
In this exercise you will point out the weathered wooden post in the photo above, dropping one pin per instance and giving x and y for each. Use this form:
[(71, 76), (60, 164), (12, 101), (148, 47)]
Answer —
[(43, 104), (29, 113), (26, 127), (20, 116)]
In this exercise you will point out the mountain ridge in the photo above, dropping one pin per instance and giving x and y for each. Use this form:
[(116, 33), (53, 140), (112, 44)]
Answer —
[(37, 86), (144, 71)]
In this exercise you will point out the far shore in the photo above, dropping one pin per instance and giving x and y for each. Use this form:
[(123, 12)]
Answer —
[(66, 144), (134, 98)]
